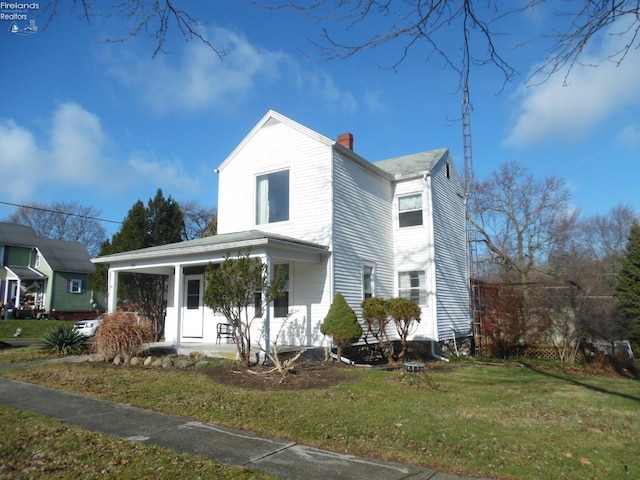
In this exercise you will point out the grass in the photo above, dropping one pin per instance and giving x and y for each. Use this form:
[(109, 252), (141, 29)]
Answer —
[(32, 330), (505, 422), (32, 446)]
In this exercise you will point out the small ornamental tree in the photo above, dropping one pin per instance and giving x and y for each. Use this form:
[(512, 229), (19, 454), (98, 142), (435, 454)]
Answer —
[(404, 314), (231, 289), (375, 313), (341, 323)]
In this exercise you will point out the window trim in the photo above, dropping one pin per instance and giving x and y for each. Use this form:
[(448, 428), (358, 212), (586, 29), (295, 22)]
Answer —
[(262, 197), (410, 213), (281, 304), (372, 280), (420, 288), (75, 286)]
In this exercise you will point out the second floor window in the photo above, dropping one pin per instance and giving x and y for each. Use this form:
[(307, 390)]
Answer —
[(410, 210), (272, 197)]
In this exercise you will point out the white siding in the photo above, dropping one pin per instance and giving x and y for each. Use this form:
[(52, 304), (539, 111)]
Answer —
[(413, 250), (275, 147), (452, 288), (361, 230)]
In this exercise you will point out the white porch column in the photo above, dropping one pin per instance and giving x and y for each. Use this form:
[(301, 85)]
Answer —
[(112, 291), (266, 311), (178, 282)]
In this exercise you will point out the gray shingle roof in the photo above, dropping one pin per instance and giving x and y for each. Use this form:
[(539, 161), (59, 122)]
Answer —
[(412, 164), (61, 255)]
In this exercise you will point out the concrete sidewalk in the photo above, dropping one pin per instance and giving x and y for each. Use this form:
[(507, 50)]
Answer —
[(280, 458)]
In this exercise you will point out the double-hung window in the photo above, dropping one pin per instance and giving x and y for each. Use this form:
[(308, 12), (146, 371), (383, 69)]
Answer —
[(410, 210), (272, 197), (75, 285), (412, 285)]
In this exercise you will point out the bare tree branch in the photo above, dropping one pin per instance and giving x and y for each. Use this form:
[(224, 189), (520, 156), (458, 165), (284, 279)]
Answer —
[(153, 17)]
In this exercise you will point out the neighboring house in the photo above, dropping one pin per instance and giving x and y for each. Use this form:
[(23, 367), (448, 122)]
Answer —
[(41, 276), (336, 222)]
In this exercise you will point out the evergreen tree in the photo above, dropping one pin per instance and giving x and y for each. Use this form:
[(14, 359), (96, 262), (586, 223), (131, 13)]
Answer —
[(628, 288), (160, 223), (341, 323)]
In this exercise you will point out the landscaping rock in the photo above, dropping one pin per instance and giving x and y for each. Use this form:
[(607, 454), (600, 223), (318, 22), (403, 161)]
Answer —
[(167, 362), (148, 361), (118, 360), (157, 362), (135, 361), (183, 363)]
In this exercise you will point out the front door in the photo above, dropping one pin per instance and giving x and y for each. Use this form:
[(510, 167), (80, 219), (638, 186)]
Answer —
[(192, 306)]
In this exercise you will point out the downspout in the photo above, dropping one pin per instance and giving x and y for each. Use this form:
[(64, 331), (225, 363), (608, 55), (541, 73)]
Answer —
[(435, 355)]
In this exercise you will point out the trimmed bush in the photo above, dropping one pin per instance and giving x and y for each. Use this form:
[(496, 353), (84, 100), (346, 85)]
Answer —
[(341, 323), (63, 339), (121, 333)]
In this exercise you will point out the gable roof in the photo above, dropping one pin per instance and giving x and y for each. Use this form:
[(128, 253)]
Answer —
[(414, 164), (61, 255), (270, 118)]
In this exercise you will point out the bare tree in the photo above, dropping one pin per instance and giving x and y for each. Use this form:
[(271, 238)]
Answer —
[(199, 221), (421, 25), (63, 221), (152, 17), (521, 220)]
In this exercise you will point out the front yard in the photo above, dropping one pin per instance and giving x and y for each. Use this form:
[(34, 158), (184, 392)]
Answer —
[(503, 420)]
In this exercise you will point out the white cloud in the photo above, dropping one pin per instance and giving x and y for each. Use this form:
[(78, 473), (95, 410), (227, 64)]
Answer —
[(597, 88), (197, 79), (170, 176), (73, 154), (629, 136), (20, 157)]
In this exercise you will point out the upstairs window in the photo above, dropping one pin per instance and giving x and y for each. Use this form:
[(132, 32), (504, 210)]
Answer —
[(412, 285), (410, 210), (272, 197)]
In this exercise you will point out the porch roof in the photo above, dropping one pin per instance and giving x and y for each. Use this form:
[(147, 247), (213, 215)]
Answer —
[(24, 273), (228, 242)]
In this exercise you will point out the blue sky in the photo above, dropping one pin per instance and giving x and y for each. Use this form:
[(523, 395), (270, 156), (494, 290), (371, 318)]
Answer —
[(106, 124)]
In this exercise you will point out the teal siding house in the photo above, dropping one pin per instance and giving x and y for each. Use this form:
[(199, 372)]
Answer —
[(42, 277)]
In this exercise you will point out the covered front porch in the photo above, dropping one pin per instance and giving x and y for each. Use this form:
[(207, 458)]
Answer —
[(189, 322)]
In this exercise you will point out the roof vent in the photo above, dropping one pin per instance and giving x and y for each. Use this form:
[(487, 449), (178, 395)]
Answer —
[(346, 140)]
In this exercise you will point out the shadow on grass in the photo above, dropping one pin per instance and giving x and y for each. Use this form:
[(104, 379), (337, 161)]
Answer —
[(582, 384)]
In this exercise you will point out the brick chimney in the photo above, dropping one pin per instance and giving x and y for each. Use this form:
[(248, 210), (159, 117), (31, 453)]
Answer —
[(346, 140)]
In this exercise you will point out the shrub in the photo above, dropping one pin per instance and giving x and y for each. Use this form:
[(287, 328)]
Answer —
[(375, 313), (63, 339), (122, 333), (404, 314), (341, 323)]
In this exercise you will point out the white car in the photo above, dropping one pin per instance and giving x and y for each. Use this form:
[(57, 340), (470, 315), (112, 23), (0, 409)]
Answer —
[(88, 328)]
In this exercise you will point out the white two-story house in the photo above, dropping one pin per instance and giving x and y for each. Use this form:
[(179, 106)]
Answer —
[(336, 222)]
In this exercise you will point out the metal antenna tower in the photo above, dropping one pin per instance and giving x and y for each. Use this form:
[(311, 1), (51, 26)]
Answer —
[(472, 240)]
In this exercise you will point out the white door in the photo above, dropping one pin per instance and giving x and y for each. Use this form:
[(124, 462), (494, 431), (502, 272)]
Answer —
[(192, 306)]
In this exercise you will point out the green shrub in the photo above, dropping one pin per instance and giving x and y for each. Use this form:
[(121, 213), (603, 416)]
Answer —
[(63, 339), (122, 333), (341, 323)]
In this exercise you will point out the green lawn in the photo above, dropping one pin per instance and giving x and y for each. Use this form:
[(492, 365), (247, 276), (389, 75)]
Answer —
[(32, 330), (505, 422), (32, 446)]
